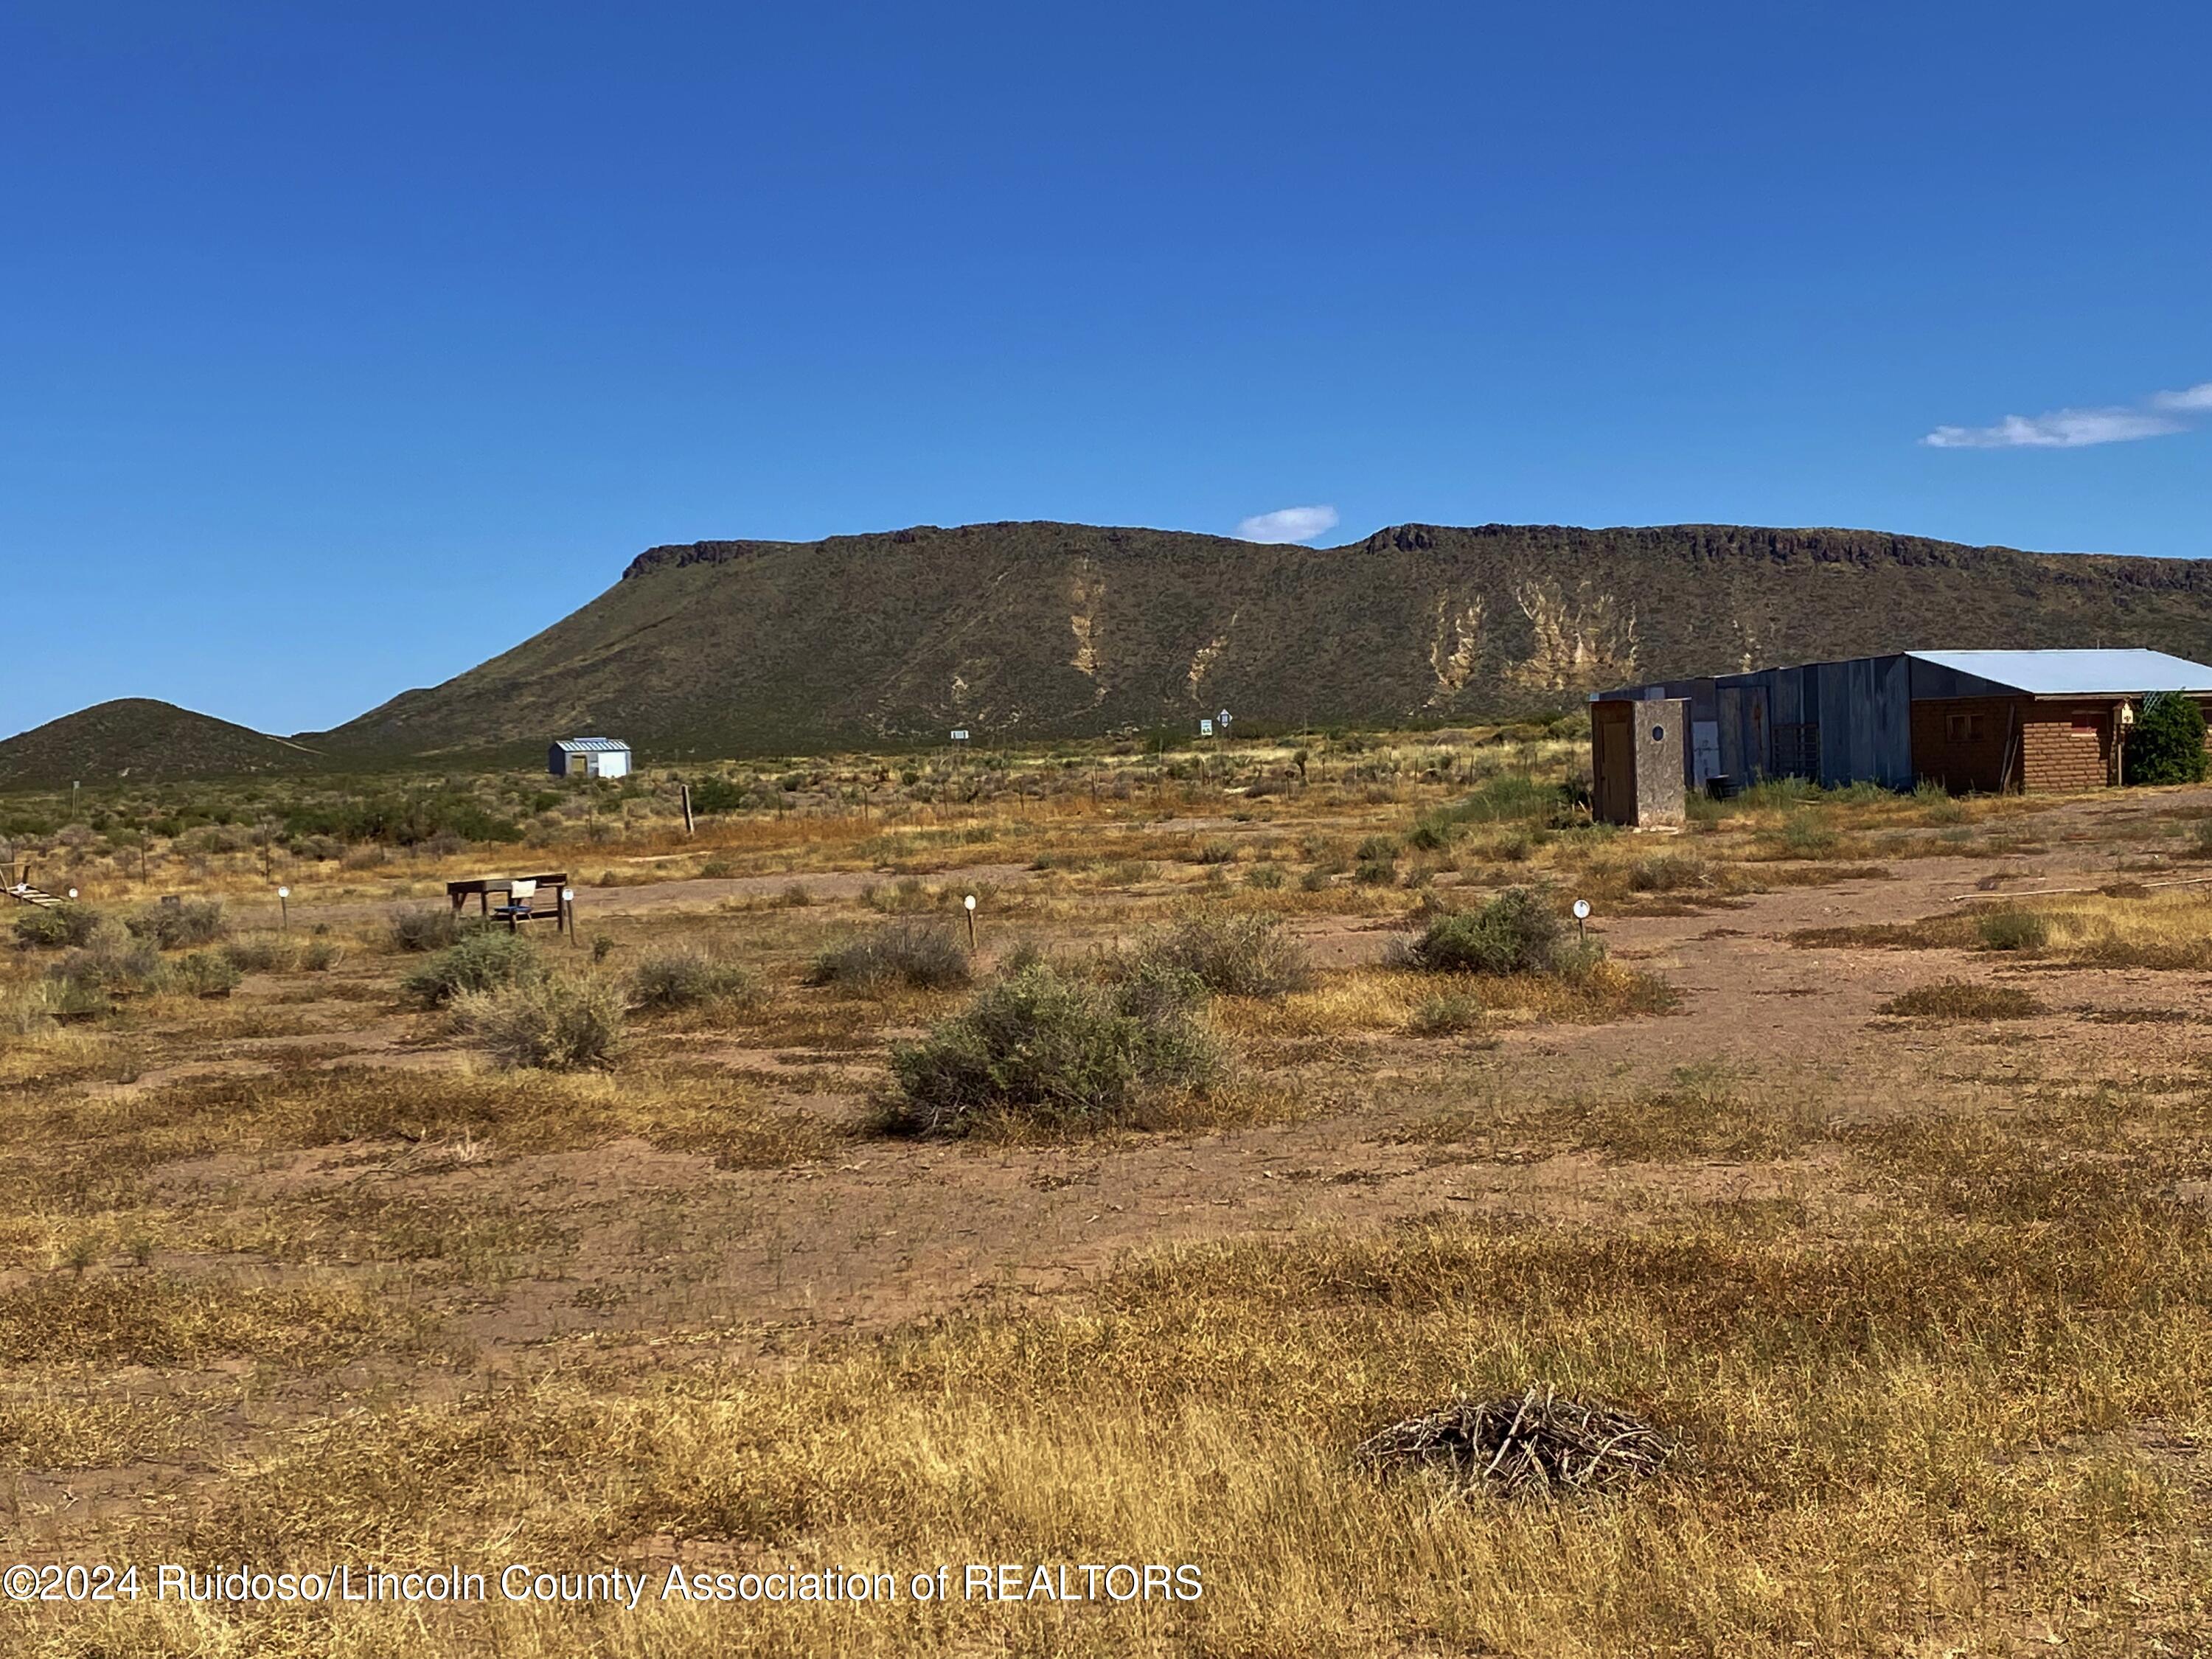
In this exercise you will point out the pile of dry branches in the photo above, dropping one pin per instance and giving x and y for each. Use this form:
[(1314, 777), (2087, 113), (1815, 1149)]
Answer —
[(1538, 1443)]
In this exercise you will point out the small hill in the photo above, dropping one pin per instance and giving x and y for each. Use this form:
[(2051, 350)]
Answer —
[(138, 739), (1041, 630)]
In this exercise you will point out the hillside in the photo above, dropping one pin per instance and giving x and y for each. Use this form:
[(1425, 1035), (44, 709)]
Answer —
[(142, 740), (1038, 629)]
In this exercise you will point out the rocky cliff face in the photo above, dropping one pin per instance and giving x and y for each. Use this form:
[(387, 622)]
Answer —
[(1043, 629)]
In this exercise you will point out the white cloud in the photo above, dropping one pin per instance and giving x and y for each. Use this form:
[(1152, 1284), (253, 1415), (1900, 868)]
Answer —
[(1288, 523), (2159, 414), (2191, 399)]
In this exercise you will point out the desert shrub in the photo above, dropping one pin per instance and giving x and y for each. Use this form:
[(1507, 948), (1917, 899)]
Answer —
[(319, 956), (1318, 878), (188, 924), (795, 896), (109, 963), (1218, 852), (427, 930), (205, 974), (1433, 834), (1377, 850), (1958, 999), (2013, 930), (57, 929), (1517, 932), (923, 955), (1668, 872), (1446, 1016), (485, 961), (1041, 1049), (2167, 744), (1232, 955), (265, 954), (1268, 878), (559, 1024), (689, 977)]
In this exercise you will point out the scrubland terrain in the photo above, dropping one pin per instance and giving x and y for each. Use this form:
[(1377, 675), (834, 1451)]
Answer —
[(1863, 1148)]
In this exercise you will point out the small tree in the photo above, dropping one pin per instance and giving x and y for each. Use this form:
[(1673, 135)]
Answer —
[(2167, 744)]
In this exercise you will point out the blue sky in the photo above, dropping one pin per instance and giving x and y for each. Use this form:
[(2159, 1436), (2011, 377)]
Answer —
[(342, 346)]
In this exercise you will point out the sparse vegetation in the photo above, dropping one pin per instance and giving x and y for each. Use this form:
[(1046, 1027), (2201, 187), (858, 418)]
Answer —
[(1232, 955), (487, 960), (1959, 999), (909, 956), (691, 976), (1519, 932), (557, 1022), (1039, 1048)]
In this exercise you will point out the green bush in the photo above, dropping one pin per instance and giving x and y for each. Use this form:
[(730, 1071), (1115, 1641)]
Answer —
[(2166, 744), (2014, 930), (1232, 955), (482, 962), (922, 955), (56, 929), (689, 977), (187, 924), (1038, 1048), (205, 974), (557, 1024), (1517, 932), (1267, 877)]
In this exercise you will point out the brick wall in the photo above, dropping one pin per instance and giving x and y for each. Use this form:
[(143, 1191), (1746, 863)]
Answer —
[(2065, 746), (1961, 742)]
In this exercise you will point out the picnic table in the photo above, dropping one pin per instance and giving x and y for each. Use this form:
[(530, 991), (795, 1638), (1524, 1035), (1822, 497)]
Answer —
[(521, 898)]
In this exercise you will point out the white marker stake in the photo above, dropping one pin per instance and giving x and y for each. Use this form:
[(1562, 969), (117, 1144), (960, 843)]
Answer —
[(1582, 917), (568, 912), (284, 909), (970, 902), (72, 892)]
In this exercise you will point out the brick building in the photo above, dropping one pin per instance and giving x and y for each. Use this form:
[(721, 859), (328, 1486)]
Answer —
[(1988, 721)]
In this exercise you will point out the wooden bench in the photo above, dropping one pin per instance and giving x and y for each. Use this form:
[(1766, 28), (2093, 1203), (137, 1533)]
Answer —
[(521, 899)]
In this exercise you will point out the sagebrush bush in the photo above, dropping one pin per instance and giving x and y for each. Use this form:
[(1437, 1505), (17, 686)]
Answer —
[(57, 929), (204, 974), (2014, 930), (427, 930), (1235, 955), (110, 962), (920, 956), (187, 924), (688, 977), (556, 1023), (1517, 932), (1039, 1048), (481, 962)]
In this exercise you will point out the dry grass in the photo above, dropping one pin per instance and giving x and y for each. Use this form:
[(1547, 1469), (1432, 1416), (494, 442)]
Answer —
[(1961, 999), (1933, 1340)]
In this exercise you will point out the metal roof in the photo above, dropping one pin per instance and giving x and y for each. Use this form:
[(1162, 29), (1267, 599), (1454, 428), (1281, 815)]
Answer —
[(2075, 673), (610, 746)]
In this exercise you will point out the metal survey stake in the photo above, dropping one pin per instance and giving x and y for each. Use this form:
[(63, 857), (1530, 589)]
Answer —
[(970, 902), (568, 913), (284, 909), (1582, 920)]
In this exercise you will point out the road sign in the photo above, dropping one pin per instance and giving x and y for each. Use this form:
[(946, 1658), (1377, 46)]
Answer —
[(1206, 728), (959, 734)]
